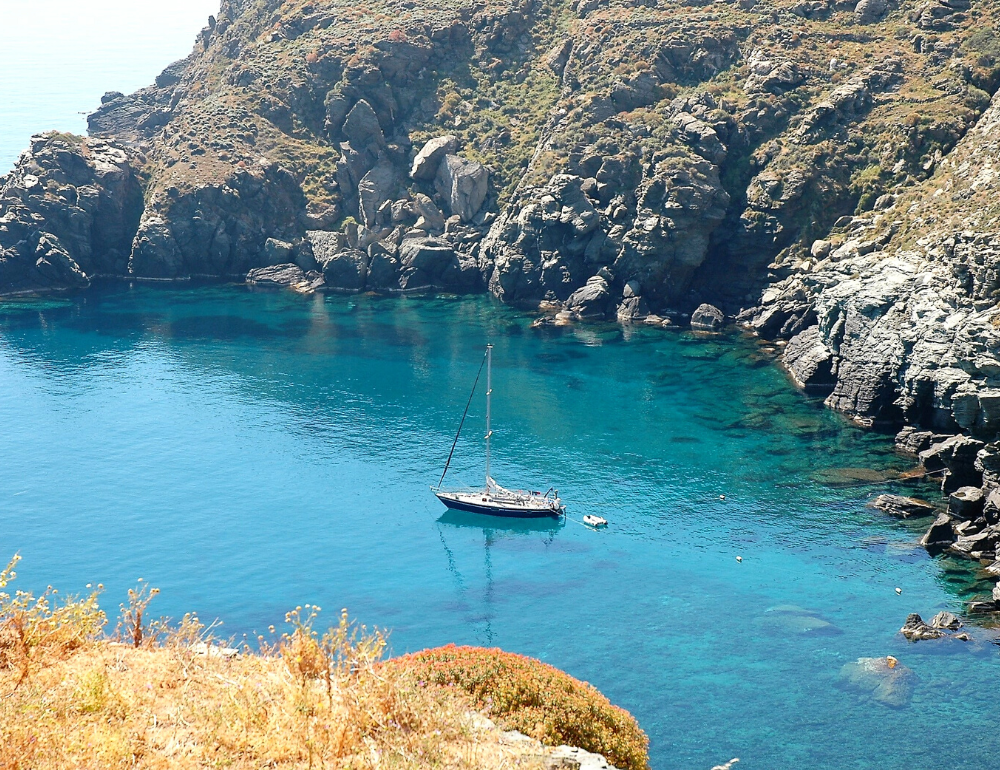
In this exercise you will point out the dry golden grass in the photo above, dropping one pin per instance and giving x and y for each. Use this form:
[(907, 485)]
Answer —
[(72, 698)]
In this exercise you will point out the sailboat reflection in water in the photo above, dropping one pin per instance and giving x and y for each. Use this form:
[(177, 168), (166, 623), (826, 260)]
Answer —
[(494, 500)]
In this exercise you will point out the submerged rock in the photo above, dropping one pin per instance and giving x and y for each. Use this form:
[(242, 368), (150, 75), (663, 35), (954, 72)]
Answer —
[(792, 619), (884, 680)]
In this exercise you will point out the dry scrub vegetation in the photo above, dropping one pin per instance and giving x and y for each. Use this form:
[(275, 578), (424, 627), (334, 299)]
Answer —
[(150, 695)]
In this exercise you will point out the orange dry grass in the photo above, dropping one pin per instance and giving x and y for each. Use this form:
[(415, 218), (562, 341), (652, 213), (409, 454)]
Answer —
[(71, 698), (110, 706)]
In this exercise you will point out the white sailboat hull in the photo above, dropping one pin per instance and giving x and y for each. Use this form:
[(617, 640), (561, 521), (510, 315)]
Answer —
[(530, 505)]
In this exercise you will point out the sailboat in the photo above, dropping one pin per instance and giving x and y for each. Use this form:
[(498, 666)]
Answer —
[(493, 499)]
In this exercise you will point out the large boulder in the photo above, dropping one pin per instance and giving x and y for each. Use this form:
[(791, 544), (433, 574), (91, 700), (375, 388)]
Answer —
[(277, 252), (426, 163), (276, 275), (870, 11), (940, 534), (361, 127), (287, 275), (429, 218), (383, 270), (375, 188), (956, 457), (463, 184), (707, 318), (916, 630), (592, 300), (427, 263), (346, 270), (966, 503)]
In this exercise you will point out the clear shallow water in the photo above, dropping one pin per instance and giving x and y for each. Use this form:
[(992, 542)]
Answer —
[(250, 451)]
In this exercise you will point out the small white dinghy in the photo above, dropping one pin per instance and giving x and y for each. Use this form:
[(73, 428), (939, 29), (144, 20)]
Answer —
[(594, 521)]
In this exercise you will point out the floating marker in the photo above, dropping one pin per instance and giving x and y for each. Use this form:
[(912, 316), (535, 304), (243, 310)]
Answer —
[(899, 591), (722, 497), (739, 558)]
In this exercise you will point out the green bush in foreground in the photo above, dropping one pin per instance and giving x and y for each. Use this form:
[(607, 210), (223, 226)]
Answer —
[(524, 694)]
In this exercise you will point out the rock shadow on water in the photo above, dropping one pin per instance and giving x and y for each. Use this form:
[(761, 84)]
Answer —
[(792, 620), (226, 328)]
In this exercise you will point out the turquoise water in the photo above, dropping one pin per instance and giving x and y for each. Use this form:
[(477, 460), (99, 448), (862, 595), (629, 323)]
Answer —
[(250, 451)]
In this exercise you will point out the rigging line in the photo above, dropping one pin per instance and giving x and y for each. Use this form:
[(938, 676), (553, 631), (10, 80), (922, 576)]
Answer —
[(464, 414)]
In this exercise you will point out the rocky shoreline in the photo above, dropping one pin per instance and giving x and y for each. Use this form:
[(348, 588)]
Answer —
[(823, 174)]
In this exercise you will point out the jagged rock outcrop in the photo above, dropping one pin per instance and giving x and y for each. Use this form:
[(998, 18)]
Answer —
[(68, 212)]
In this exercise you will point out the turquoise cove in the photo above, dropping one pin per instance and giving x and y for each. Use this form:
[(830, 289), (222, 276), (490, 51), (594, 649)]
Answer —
[(249, 451)]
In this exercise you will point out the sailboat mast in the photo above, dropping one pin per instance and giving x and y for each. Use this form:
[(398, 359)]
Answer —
[(489, 392)]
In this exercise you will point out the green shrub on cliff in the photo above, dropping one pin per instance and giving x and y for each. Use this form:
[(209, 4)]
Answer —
[(535, 698)]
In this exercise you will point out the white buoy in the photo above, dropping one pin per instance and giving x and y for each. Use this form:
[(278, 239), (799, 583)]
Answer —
[(722, 497), (899, 591), (739, 558)]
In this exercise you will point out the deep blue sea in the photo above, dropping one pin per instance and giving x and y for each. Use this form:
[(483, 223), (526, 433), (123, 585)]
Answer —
[(248, 451)]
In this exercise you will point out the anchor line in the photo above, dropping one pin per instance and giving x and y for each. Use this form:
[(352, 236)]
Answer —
[(464, 414)]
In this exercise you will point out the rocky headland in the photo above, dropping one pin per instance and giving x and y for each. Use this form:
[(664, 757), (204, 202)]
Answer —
[(823, 173)]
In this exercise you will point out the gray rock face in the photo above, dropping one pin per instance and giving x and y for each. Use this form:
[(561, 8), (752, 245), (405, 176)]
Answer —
[(550, 244), (428, 160), (361, 127), (940, 534), (69, 210), (277, 252), (707, 318), (956, 456), (346, 271), (592, 300), (913, 441), (219, 229), (431, 263), (810, 361), (768, 74), (966, 503), (463, 184), (430, 217), (375, 188)]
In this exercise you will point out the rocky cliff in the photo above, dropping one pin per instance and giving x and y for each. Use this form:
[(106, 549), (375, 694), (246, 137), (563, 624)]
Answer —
[(821, 170)]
